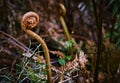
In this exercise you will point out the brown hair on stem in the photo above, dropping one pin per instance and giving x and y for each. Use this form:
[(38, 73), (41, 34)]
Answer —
[(29, 21)]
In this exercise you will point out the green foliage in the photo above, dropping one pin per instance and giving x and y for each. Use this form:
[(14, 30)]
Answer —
[(68, 57), (115, 36), (27, 70), (5, 78), (35, 73), (68, 45), (61, 61), (36, 76), (116, 8), (116, 33)]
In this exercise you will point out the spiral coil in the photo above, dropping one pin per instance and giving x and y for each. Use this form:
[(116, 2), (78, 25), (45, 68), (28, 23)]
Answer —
[(62, 9), (30, 20)]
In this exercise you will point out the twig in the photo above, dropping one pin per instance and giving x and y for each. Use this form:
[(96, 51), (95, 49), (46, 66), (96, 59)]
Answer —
[(98, 19)]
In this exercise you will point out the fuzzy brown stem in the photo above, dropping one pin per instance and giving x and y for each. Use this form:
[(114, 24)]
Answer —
[(68, 37), (65, 28), (26, 28)]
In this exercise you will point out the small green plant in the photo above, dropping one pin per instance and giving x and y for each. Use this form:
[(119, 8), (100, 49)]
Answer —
[(66, 50), (68, 45), (61, 61)]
